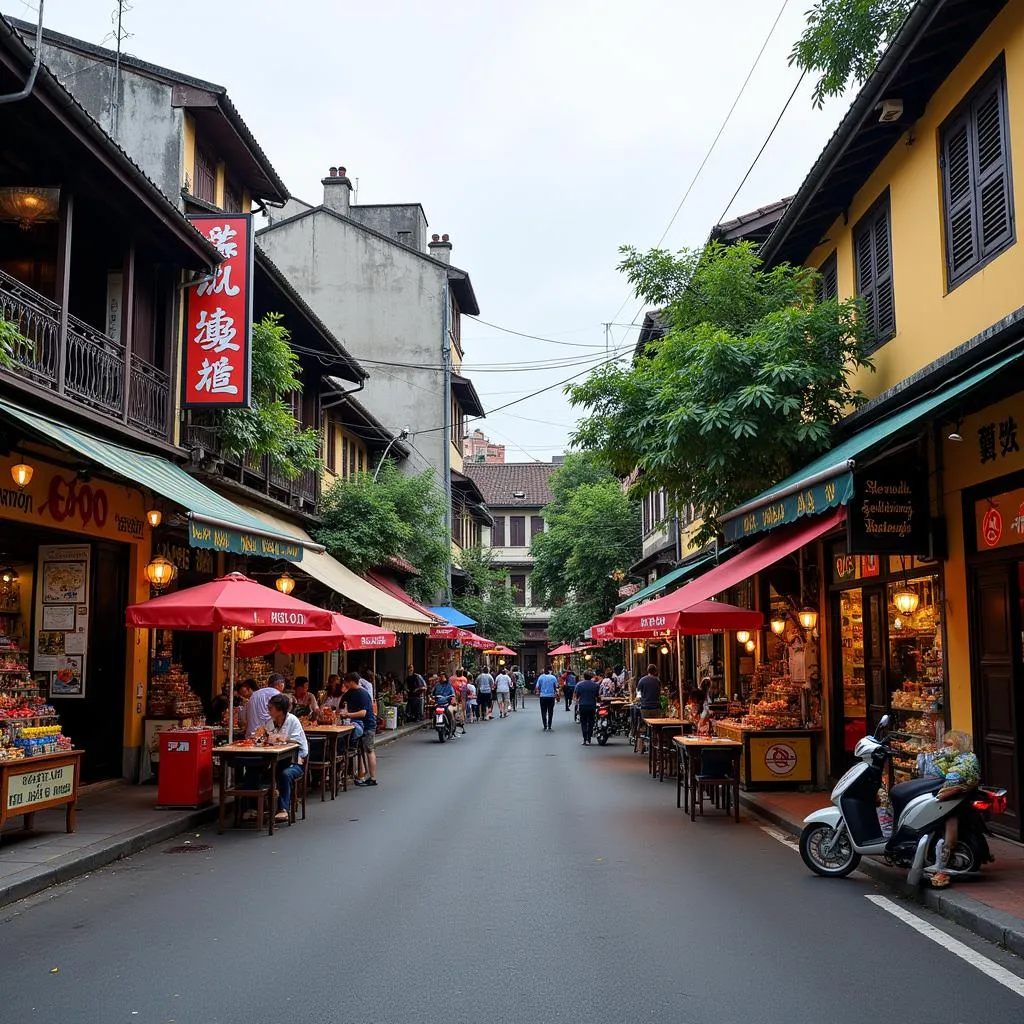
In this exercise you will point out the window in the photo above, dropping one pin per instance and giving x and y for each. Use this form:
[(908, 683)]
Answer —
[(232, 198), (344, 458), (827, 286), (872, 250), (458, 424), (517, 531), (536, 526), (332, 446), (976, 187), (206, 177), (498, 532), (518, 581)]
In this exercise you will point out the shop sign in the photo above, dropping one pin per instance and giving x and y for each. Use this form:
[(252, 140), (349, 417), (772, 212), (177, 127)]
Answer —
[(782, 760), (240, 542), (28, 790), (999, 521), (889, 512), (59, 498), (808, 502), (187, 559), (218, 318), (444, 632), (997, 440)]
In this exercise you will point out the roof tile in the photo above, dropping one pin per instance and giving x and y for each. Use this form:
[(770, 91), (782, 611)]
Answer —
[(499, 482)]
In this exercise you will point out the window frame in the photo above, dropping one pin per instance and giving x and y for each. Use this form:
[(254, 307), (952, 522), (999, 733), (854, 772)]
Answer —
[(518, 592), (828, 270), (964, 117), (513, 521), (498, 532), (205, 163), (536, 527), (866, 227)]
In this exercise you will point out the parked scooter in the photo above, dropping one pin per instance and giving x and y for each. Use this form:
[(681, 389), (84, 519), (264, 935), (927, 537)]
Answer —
[(603, 725), (835, 838)]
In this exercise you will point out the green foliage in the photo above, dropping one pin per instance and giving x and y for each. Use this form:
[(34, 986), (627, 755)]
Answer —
[(268, 427), (844, 40), (488, 599), (593, 530), (746, 385), (365, 522), (13, 344)]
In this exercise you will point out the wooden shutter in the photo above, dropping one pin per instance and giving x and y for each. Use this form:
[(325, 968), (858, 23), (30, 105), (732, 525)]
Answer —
[(994, 220), (536, 526), (827, 286), (873, 256), (517, 529), (518, 590), (498, 532), (961, 230)]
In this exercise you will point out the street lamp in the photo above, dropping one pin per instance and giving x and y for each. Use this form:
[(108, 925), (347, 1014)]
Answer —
[(160, 572), (403, 435), (285, 583)]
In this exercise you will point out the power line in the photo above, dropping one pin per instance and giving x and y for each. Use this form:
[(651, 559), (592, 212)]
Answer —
[(537, 337)]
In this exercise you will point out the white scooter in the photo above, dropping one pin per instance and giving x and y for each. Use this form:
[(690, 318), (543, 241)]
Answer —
[(835, 838)]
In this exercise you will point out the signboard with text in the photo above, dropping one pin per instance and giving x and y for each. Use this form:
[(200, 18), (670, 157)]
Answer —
[(999, 521), (239, 542), (218, 318), (809, 501), (889, 511)]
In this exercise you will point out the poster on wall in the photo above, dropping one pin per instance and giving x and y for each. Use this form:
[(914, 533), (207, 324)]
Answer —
[(62, 617)]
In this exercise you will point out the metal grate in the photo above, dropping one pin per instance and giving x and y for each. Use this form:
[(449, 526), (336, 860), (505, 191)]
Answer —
[(189, 848)]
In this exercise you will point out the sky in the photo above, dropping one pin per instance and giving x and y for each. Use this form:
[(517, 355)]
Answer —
[(539, 136)]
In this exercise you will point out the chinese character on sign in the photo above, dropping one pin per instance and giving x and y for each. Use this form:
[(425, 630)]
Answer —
[(219, 283), (216, 331), (987, 442), (221, 237), (215, 377), (1008, 437)]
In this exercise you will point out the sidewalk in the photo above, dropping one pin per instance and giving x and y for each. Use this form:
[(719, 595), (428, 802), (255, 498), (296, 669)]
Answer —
[(991, 906), (115, 820)]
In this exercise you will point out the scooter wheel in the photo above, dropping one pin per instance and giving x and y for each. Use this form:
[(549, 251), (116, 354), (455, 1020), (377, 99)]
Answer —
[(602, 740), (836, 862), (440, 735)]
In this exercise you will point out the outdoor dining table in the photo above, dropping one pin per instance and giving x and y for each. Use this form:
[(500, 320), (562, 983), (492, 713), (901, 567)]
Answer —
[(686, 774), (333, 734), (656, 729), (270, 755)]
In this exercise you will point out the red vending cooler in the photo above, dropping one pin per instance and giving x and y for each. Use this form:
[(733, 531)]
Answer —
[(186, 768)]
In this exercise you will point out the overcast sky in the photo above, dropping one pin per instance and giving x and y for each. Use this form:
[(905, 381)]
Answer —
[(540, 136)]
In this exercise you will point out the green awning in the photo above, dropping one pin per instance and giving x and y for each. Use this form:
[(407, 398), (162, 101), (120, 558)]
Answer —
[(678, 575), (828, 481), (214, 521)]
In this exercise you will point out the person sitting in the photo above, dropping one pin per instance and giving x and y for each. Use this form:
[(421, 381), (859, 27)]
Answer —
[(285, 728), (304, 703), (444, 696), (607, 685), (334, 700), (958, 766)]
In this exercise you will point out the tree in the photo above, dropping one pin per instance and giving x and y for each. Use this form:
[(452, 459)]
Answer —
[(746, 384), (489, 599), (268, 427), (593, 532), (364, 522), (844, 40)]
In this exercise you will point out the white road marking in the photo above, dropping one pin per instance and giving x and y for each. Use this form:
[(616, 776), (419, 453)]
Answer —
[(781, 837), (982, 963)]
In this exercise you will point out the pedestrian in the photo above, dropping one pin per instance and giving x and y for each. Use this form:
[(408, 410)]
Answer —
[(568, 686), (648, 691), (547, 688), (359, 707), (585, 697), (485, 694), (415, 691), (502, 689), (531, 682), (513, 687)]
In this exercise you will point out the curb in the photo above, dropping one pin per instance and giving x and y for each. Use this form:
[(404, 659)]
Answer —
[(987, 922), (74, 865)]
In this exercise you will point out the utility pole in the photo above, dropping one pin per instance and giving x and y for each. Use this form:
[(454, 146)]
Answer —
[(607, 340), (119, 35)]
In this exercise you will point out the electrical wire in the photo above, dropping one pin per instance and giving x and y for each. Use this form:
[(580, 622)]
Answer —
[(537, 337)]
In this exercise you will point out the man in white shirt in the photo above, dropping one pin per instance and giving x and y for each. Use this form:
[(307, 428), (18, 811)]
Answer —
[(485, 694), (286, 728), (502, 687), (256, 713)]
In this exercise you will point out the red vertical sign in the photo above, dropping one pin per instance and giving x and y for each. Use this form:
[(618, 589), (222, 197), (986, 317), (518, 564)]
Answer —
[(218, 318)]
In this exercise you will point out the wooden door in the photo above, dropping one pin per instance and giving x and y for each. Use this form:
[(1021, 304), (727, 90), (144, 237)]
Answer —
[(996, 666)]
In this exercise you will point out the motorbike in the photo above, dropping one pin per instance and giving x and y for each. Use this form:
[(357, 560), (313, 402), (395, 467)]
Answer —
[(444, 723), (603, 725), (836, 837)]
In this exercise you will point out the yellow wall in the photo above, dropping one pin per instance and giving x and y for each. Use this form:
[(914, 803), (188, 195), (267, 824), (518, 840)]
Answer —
[(930, 320), (188, 160), (344, 467)]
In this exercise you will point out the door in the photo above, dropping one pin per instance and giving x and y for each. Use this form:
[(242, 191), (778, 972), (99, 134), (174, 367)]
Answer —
[(995, 667)]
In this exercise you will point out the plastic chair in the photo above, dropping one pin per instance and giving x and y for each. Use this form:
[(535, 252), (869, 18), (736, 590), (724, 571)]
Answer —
[(717, 771), (299, 789)]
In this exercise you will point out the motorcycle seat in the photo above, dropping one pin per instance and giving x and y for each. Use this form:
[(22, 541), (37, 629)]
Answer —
[(901, 794)]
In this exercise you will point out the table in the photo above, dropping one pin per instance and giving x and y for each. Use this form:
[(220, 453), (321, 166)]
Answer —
[(655, 754), (686, 779), (33, 784), (231, 753), (332, 733)]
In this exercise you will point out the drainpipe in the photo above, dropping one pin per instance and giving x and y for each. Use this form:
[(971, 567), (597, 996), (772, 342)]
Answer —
[(14, 97), (446, 359)]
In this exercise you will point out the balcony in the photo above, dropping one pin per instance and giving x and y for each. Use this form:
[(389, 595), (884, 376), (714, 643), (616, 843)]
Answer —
[(92, 370), (253, 472)]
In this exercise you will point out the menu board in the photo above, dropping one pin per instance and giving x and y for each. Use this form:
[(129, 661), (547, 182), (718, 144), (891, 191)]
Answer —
[(62, 617)]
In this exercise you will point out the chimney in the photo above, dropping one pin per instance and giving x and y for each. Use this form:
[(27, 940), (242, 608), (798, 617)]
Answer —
[(440, 248), (337, 191)]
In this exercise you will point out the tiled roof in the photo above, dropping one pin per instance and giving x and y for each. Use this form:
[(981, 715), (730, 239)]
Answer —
[(500, 482)]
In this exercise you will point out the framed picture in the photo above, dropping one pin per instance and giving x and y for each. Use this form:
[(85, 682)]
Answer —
[(65, 582), (67, 680), (58, 616)]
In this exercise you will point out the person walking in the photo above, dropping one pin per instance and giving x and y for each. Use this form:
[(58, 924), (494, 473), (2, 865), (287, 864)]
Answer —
[(502, 688), (568, 686), (415, 691), (547, 688), (513, 687), (485, 694), (585, 696)]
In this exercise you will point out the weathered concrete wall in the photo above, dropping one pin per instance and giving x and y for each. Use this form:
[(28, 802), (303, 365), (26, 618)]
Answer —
[(387, 307), (149, 128), (405, 223)]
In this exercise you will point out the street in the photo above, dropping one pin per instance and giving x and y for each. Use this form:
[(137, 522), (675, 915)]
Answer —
[(510, 876)]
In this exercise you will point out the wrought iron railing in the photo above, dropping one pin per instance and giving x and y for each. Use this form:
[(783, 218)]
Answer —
[(38, 319), (149, 398), (94, 373)]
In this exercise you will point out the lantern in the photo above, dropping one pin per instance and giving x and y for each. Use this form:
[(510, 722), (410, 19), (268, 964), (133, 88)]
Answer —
[(906, 600), (808, 617), (160, 572), (742, 636), (154, 517), (750, 646), (285, 583), (778, 624), (664, 648), (640, 647), (22, 474), (9, 575)]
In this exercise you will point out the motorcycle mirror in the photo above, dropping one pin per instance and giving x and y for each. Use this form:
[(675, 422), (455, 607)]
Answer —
[(882, 723)]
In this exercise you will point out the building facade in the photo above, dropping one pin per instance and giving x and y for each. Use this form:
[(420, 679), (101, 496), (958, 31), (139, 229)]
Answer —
[(478, 448)]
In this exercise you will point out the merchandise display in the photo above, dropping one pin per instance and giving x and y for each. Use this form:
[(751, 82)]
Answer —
[(170, 695)]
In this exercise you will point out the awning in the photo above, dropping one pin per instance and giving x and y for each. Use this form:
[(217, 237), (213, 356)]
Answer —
[(397, 592), (759, 556), (828, 481), (214, 521), (452, 616), (394, 614), (678, 575)]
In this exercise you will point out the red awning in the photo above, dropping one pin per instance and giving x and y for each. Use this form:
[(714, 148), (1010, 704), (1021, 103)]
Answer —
[(747, 563), (397, 592)]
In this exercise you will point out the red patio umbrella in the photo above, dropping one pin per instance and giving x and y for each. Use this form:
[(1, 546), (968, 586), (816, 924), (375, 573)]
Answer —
[(228, 602), (646, 620), (345, 634), (505, 651), (470, 639), (561, 650)]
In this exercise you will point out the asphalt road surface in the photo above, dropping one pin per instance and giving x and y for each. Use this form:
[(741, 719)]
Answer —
[(510, 876)]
